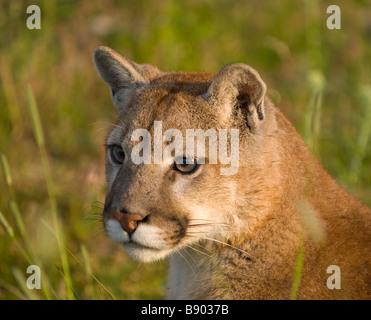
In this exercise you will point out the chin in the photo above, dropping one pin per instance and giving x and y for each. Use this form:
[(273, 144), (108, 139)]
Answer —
[(145, 245), (145, 254)]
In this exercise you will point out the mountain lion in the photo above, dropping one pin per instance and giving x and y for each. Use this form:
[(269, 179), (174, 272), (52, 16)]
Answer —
[(228, 236)]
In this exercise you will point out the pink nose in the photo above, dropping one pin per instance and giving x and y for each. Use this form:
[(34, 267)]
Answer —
[(128, 221)]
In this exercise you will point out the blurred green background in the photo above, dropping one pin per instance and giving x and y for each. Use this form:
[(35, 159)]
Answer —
[(319, 78)]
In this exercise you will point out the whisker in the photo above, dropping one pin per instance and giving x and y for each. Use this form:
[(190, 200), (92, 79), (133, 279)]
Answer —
[(220, 231), (90, 223), (194, 262), (98, 237), (99, 225), (96, 214), (199, 251), (98, 233), (208, 220), (97, 207), (107, 125), (178, 252), (122, 122), (208, 224), (97, 204), (93, 219), (93, 216), (224, 243)]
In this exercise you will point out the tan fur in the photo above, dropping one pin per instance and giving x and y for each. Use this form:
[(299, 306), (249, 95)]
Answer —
[(237, 236)]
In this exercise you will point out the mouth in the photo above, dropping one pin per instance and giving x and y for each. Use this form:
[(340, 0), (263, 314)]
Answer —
[(136, 245), (144, 253)]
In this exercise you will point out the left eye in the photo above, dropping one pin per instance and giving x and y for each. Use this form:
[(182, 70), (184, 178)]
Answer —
[(117, 154), (185, 167)]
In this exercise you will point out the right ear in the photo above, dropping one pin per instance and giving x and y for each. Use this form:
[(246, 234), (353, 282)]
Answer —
[(238, 86), (121, 74)]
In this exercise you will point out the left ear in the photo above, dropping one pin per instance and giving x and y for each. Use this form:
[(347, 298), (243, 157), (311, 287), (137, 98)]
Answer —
[(238, 86), (122, 75)]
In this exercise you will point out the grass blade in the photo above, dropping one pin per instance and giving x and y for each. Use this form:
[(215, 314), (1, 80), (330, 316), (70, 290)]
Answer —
[(316, 83), (35, 117), (6, 172), (364, 132), (5, 224), (95, 278), (39, 136), (298, 270)]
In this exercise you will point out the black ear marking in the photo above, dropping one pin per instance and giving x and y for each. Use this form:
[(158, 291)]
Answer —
[(113, 91), (260, 111), (243, 101)]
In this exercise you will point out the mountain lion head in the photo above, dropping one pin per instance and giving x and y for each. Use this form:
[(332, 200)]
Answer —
[(162, 195)]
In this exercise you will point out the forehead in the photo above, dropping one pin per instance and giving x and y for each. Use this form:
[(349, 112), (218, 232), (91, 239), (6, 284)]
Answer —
[(176, 109), (178, 105)]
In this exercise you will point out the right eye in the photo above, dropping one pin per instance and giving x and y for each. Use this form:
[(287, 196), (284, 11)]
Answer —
[(186, 168), (117, 154)]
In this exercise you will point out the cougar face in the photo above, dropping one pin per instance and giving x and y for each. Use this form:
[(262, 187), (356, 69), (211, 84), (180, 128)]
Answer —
[(154, 209), (164, 190)]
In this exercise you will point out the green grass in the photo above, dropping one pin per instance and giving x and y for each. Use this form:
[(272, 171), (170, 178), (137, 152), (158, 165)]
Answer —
[(55, 113)]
